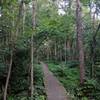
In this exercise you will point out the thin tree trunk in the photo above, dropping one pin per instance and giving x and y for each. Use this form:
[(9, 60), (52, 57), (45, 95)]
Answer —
[(80, 41), (11, 60), (72, 49), (92, 45), (55, 51), (32, 45), (8, 77), (47, 50), (93, 49), (50, 53), (32, 88), (61, 54), (20, 15), (37, 56), (68, 49), (24, 16), (65, 47)]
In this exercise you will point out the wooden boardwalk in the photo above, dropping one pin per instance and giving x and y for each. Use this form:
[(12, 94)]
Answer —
[(54, 89)]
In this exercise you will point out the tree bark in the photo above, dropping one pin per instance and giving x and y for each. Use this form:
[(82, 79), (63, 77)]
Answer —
[(80, 41), (32, 45), (32, 88), (65, 48), (11, 60), (68, 49), (24, 17), (60, 51), (8, 77), (47, 50), (55, 52), (18, 20)]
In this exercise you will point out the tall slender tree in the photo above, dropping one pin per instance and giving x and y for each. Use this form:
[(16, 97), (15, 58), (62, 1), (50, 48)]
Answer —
[(8, 76), (32, 44), (10, 62), (80, 40), (13, 40)]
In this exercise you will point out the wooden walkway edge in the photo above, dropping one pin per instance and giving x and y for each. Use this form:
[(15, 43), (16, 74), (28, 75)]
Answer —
[(54, 89)]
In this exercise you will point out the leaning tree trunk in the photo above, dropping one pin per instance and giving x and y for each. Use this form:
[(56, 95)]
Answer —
[(8, 77), (80, 41), (13, 39)]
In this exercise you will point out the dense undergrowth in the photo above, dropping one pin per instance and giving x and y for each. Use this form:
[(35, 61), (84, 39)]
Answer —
[(19, 84), (68, 75), (39, 90), (40, 93)]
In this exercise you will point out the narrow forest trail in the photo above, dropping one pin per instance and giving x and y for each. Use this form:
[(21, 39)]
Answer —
[(54, 89)]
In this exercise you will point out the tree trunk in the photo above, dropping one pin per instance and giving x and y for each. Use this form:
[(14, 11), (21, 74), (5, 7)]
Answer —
[(20, 16), (47, 50), (80, 41), (65, 48), (11, 60), (93, 45), (50, 53), (60, 51), (32, 88), (24, 16), (68, 49), (32, 46), (8, 77), (55, 52)]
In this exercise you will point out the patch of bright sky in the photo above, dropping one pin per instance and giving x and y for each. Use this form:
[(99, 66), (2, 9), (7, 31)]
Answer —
[(93, 6), (65, 3), (30, 4), (61, 4), (61, 12)]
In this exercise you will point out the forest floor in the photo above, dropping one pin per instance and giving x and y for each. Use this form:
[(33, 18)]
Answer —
[(54, 89)]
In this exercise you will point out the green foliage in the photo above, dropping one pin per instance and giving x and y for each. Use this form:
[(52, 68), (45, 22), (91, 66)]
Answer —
[(39, 91), (86, 2), (18, 98), (68, 76), (86, 90), (72, 64), (51, 28), (39, 83), (19, 72)]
